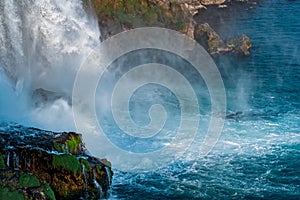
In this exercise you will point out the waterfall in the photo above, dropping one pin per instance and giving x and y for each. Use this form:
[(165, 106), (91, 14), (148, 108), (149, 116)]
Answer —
[(109, 180), (42, 44), (16, 160), (84, 173), (109, 175), (7, 161), (97, 184)]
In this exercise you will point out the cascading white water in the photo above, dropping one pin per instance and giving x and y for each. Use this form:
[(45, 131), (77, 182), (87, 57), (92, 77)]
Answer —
[(42, 44)]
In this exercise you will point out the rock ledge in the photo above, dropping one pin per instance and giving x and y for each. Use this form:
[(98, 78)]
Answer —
[(37, 164)]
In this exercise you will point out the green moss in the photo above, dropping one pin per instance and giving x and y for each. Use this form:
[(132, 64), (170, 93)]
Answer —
[(69, 162), (59, 147), (70, 146), (5, 193), (73, 143), (85, 163), (98, 168), (131, 11), (2, 163), (27, 181), (49, 192)]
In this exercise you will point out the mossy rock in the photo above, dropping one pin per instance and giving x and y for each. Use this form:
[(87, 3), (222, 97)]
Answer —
[(48, 191), (85, 163), (140, 13), (66, 161), (6, 194), (15, 184), (2, 163), (98, 168), (59, 147), (28, 181), (71, 145)]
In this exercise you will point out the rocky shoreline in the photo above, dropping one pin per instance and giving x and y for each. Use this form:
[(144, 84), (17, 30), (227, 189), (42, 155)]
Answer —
[(37, 164)]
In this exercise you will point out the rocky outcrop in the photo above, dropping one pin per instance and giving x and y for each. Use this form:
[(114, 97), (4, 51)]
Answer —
[(19, 185), (212, 2), (119, 15), (240, 44), (209, 39), (116, 16), (212, 42), (36, 164)]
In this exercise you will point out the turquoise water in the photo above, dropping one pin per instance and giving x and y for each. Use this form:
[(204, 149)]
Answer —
[(258, 154)]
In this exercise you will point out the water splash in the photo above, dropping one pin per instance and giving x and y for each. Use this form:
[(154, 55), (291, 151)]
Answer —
[(42, 44)]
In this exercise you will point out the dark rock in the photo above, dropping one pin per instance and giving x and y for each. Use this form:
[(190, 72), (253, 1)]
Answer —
[(57, 159), (209, 39), (234, 115), (212, 42), (15, 184), (41, 96), (240, 45)]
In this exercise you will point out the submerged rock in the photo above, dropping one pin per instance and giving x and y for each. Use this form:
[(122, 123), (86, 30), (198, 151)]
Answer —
[(38, 163)]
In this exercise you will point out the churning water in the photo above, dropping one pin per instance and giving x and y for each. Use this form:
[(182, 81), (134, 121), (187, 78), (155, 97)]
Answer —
[(258, 154)]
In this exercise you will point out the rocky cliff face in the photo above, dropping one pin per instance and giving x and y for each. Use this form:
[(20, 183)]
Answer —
[(116, 16), (36, 164), (120, 15)]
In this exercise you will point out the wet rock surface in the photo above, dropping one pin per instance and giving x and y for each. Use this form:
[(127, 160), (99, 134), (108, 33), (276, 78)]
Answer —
[(37, 164)]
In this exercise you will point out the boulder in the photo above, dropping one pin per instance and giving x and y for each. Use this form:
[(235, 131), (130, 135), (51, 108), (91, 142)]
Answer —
[(212, 2), (209, 39), (56, 162), (213, 43), (240, 45)]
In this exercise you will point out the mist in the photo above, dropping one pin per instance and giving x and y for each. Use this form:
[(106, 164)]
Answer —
[(42, 45)]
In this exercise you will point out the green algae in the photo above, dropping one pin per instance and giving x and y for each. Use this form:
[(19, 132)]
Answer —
[(49, 192), (2, 163), (73, 144), (5, 193), (85, 163), (68, 162), (27, 181), (70, 146)]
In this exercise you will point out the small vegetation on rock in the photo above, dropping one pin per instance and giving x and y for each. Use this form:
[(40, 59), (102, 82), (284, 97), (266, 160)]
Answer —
[(48, 192), (69, 162), (140, 13), (73, 144), (85, 163), (2, 163), (27, 181), (5, 193)]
